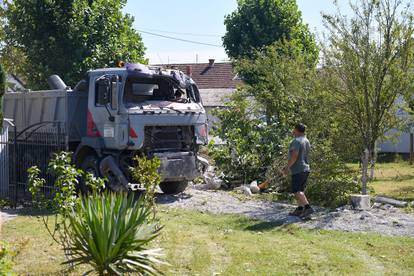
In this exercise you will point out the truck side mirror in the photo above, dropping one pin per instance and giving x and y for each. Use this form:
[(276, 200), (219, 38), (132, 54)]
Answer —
[(103, 92)]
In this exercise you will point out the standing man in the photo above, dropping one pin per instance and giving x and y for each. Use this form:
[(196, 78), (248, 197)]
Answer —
[(298, 165)]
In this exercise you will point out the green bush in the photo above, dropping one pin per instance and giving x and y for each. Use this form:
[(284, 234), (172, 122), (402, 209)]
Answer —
[(251, 144), (111, 232), (145, 173)]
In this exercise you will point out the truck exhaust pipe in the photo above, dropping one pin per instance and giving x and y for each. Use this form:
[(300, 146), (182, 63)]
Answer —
[(56, 83)]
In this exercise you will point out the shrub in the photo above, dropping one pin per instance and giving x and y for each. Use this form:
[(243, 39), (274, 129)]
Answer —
[(145, 173), (111, 232), (250, 143)]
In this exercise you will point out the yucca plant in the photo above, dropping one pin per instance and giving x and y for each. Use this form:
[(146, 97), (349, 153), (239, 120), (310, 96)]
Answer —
[(111, 232)]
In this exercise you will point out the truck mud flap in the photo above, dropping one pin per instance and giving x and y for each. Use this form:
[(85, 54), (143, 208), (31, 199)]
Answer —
[(116, 179)]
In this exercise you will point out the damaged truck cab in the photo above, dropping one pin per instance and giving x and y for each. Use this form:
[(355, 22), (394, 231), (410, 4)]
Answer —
[(115, 114), (137, 110)]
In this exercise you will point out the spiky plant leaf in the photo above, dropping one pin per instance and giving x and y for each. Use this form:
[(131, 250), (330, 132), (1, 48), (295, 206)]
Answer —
[(111, 232)]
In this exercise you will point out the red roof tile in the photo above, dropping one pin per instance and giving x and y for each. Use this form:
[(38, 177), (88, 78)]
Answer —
[(220, 75)]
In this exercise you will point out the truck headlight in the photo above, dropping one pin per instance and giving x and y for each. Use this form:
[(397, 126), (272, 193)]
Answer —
[(201, 133)]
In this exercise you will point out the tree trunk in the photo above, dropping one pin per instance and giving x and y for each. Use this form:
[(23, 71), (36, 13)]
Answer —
[(373, 160), (364, 178)]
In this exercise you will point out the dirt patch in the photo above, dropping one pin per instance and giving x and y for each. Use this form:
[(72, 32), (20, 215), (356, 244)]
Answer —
[(383, 219)]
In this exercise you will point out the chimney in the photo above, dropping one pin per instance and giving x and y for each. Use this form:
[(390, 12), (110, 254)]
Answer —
[(211, 62), (189, 70)]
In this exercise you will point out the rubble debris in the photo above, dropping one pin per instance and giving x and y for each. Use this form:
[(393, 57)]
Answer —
[(391, 201), (211, 180), (245, 189), (254, 188)]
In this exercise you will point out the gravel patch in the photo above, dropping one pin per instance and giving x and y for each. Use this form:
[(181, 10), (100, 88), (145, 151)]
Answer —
[(7, 214), (382, 219)]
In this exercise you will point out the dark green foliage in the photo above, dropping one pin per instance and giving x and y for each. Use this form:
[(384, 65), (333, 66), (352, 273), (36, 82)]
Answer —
[(259, 23), (112, 232), (69, 37)]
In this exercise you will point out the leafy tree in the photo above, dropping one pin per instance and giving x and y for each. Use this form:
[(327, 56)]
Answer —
[(259, 23), (69, 37), (257, 121), (369, 61), (258, 118), (12, 58)]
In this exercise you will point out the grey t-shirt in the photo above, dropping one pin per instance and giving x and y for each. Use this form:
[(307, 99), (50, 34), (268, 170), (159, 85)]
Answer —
[(302, 146)]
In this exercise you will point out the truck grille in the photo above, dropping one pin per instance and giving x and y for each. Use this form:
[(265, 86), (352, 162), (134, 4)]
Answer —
[(169, 138)]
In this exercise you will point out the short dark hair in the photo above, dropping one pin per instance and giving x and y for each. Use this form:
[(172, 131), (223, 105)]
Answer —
[(300, 127)]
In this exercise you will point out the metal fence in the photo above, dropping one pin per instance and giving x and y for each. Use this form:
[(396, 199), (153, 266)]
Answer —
[(33, 146), (4, 159)]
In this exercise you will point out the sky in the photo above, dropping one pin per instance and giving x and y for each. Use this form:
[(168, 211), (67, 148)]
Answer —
[(201, 21)]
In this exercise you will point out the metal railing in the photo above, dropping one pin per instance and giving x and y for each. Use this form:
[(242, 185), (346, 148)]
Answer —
[(33, 146)]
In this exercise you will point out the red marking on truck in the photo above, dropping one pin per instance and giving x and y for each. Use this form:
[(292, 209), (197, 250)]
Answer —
[(91, 130), (202, 131), (132, 133)]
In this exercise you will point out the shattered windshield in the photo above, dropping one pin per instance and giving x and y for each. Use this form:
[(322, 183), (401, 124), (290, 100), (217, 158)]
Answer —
[(138, 90)]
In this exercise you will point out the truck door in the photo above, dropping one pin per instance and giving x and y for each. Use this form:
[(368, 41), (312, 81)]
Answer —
[(111, 126)]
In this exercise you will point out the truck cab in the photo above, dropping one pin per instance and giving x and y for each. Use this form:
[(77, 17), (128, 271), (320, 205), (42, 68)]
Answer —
[(139, 110)]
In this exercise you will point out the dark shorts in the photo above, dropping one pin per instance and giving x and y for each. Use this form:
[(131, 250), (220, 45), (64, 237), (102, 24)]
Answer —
[(299, 182)]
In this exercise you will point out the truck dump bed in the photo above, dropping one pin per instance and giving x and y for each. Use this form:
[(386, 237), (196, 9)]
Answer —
[(64, 106)]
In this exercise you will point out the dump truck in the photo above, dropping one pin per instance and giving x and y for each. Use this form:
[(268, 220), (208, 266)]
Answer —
[(114, 114)]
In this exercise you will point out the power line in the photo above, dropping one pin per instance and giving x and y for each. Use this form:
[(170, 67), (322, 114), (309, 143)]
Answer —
[(180, 33), (180, 39)]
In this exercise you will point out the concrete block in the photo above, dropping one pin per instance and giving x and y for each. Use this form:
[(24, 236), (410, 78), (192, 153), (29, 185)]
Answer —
[(361, 202)]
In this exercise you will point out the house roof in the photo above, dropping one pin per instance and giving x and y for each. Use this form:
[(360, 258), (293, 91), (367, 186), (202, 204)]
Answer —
[(209, 75), (216, 97)]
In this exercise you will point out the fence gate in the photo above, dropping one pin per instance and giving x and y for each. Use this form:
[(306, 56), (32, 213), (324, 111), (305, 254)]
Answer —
[(33, 146), (4, 159)]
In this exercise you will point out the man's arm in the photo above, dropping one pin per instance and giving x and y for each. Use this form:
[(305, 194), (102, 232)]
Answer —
[(292, 159)]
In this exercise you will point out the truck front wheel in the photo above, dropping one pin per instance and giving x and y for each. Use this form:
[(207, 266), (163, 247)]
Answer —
[(172, 188), (90, 165)]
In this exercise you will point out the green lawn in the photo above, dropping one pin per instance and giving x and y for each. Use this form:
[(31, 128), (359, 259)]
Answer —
[(204, 244), (393, 179)]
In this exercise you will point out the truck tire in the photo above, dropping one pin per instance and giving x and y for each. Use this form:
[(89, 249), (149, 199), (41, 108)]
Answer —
[(172, 188), (90, 164)]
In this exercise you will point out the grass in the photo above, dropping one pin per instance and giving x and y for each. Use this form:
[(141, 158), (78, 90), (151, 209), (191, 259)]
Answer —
[(203, 244), (395, 180)]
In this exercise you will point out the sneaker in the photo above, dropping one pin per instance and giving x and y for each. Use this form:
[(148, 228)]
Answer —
[(307, 212), (297, 212)]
